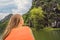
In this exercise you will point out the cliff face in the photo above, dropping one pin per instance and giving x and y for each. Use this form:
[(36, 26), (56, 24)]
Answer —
[(51, 10)]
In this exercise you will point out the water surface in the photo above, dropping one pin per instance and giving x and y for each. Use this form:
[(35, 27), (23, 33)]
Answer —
[(47, 35)]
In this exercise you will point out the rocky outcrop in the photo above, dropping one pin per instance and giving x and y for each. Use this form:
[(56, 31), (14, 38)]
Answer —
[(6, 18)]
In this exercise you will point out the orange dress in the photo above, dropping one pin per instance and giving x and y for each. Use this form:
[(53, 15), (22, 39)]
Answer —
[(23, 33)]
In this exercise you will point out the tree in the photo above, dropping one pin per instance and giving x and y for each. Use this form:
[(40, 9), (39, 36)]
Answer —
[(37, 17)]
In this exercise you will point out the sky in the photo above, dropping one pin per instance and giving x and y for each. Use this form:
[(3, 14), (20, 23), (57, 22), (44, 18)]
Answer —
[(14, 6)]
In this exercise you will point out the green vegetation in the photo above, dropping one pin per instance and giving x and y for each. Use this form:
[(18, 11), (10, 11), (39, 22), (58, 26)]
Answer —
[(44, 13), (37, 18), (3, 26)]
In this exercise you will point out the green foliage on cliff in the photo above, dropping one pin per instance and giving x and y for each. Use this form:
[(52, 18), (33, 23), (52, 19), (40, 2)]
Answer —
[(43, 13)]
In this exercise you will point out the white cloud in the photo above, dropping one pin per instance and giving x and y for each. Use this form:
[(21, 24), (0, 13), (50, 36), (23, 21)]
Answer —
[(2, 15), (22, 6), (5, 2)]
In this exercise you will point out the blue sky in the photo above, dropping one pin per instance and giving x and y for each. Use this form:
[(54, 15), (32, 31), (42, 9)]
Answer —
[(10, 6)]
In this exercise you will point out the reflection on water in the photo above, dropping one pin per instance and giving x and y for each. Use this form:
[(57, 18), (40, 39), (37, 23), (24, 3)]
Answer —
[(47, 35)]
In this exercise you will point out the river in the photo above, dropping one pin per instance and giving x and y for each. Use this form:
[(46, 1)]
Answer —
[(47, 35)]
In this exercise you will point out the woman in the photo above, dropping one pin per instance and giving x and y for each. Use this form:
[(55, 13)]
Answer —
[(16, 30)]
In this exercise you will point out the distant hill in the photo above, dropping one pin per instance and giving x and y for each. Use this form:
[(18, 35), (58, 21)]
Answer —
[(4, 22), (6, 18)]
